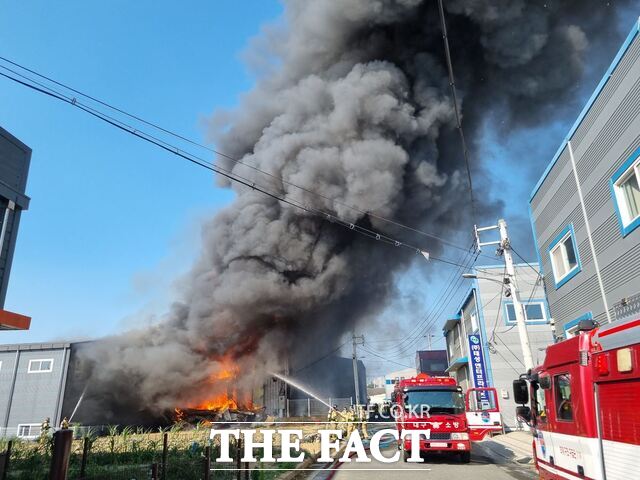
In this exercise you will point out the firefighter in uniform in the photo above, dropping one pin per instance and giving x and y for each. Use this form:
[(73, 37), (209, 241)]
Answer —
[(64, 424), (45, 427), (362, 421), (351, 419), (332, 419), (344, 419)]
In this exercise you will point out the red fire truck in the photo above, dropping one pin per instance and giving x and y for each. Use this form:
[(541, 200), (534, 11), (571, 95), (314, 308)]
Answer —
[(437, 406), (584, 404)]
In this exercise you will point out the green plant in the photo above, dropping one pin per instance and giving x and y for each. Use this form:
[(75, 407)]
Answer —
[(176, 427), (113, 433)]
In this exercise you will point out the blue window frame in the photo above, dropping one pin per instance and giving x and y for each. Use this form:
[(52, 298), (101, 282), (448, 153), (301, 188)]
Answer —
[(563, 253), (625, 193), (535, 310)]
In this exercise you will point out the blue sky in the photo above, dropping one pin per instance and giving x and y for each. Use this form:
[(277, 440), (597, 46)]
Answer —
[(114, 222)]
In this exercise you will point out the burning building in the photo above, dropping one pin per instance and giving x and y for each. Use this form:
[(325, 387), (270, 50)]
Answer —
[(50, 380), (353, 117), (329, 379)]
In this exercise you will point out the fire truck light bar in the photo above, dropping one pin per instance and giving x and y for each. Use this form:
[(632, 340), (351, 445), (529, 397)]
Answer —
[(432, 380)]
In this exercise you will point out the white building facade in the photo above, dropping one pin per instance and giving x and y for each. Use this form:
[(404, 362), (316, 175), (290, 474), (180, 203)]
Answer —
[(482, 338)]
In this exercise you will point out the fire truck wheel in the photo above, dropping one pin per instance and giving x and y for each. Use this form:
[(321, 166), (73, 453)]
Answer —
[(465, 457)]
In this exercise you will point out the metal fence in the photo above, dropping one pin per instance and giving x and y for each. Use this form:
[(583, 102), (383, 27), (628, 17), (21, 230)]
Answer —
[(311, 407), (123, 454), (33, 431), (627, 307), (174, 455), (27, 432)]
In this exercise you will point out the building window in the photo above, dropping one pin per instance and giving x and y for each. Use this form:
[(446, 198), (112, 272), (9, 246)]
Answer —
[(571, 331), (564, 256), (625, 187), (535, 312), (41, 365), (28, 430), (562, 387), (474, 322)]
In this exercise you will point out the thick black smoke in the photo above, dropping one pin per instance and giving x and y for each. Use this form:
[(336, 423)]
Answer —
[(355, 104)]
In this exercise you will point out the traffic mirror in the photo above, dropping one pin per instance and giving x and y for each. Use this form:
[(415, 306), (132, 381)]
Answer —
[(524, 413), (521, 391)]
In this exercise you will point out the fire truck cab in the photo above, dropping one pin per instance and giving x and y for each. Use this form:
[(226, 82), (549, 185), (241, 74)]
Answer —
[(583, 404), (436, 406)]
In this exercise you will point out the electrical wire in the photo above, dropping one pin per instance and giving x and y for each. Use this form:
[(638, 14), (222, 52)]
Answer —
[(511, 351), (419, 326), (436, 312), (454, 101), (224, 172), (495, 323), (224, 155), (445, 297), (458, 281), (318, 360), (526, 262), (385, 359), (217, 169), (533, 291), (507, 362)]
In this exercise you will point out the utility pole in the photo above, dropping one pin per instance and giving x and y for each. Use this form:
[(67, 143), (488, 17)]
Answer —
[(429, 336), (356, 340), (504, 249)]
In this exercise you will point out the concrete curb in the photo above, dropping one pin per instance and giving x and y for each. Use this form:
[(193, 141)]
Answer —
[(508, 449), (312, 461)]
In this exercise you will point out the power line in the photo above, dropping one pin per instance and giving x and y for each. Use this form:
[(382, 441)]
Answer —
[(528, 264), (510, 351), (533, 291), (221, 154), (386, 359), (444, 299), (434, 315), (217, 169), (495, 323), (456, 282), (454, 100), (318, 360), (507, 361), (416, 329)]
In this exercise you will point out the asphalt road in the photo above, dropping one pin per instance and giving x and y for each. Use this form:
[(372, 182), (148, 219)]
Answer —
[(434, 467)]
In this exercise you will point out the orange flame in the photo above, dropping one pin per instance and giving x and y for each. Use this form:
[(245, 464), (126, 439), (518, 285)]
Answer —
[(218, 402), (226, 396)]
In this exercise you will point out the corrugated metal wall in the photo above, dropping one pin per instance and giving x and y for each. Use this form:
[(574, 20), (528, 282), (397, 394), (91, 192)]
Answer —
[(603, 141), (29, 398), (14, 166)]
